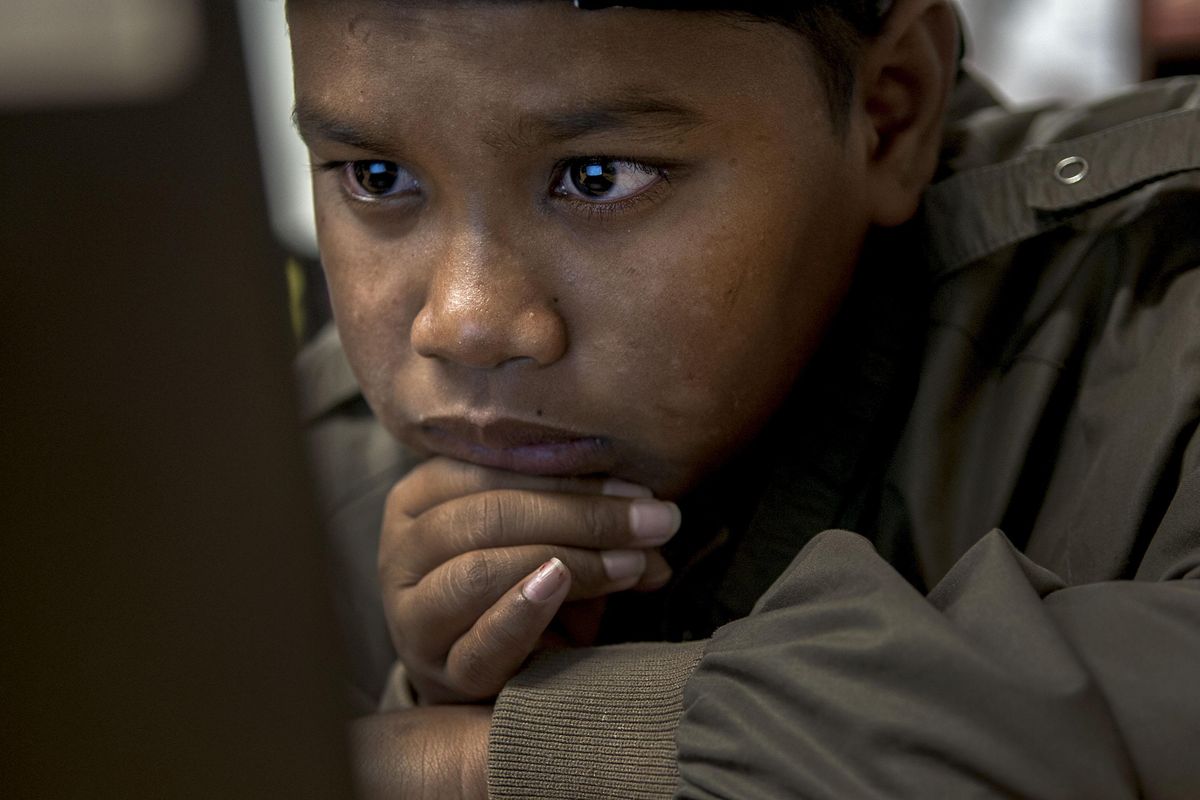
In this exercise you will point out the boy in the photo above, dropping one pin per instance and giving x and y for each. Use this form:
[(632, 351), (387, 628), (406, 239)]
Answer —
[(605, 264)]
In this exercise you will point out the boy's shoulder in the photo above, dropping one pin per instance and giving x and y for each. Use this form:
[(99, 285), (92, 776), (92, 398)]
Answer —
[(1058, 390), (1008, 176)]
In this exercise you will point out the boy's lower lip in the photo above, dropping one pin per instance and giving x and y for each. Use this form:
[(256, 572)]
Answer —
[(552, 454)]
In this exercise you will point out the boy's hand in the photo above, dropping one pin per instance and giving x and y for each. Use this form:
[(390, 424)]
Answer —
[(475, 562)]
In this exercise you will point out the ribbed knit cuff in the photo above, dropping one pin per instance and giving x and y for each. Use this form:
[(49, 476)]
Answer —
[(591, 723)]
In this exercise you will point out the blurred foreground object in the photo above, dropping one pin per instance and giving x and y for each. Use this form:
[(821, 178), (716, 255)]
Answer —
[(165, 619)]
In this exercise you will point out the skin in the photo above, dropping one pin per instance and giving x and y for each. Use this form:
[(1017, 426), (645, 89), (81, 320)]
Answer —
[(574, 360), (486, 296)]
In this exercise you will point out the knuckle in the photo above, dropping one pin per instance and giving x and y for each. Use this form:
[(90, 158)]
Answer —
[(594, 523), (397, 610), (394, 528), (413, 636), (472, 522), (470, 671), (389, 566), (476, 574), (407, 495), (492, 519), (393, 504), (473, 668), (493, 514), (498, 640)]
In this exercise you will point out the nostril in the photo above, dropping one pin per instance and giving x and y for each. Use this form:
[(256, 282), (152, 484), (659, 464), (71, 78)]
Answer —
[(519, 361), (541, 337)]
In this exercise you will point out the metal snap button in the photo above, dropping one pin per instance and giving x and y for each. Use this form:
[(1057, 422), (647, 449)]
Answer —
[(1071, 170)]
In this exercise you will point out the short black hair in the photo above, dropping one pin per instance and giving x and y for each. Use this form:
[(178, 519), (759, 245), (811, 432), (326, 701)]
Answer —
[(834, 29)]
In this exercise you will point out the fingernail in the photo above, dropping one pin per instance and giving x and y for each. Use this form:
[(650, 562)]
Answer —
[(618, 488), (545, 582), (621, 565), (653, 521)]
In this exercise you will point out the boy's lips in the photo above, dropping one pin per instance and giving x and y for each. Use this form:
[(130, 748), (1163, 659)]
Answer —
[(517, 446)]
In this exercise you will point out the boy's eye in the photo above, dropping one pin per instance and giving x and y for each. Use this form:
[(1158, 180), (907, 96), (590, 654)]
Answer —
[(605, 180), (377, 179)]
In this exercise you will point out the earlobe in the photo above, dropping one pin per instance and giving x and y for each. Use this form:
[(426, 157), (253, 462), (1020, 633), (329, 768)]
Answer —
[(905, 78)]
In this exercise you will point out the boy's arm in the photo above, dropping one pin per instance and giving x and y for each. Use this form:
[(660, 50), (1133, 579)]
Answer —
[(846, 682), (436, 753)]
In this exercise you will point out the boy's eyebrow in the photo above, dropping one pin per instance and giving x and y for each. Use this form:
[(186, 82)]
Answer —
[(625, 111), (315, 123)]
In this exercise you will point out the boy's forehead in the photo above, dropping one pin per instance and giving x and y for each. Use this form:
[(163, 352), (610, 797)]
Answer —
[(544, 57), (419, 18)]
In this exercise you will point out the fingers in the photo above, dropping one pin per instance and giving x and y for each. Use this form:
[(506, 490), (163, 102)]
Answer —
[(657, 572), (475, 562), (410, 548), (484, 658), (440, 479), (458, 592)]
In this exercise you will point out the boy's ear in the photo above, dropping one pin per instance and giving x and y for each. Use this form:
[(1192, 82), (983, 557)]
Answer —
[(905, 77)]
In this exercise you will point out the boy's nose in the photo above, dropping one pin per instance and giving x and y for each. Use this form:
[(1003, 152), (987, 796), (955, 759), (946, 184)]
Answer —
[(483, 311)]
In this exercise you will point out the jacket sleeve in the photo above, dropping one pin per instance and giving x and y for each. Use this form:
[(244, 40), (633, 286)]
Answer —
[(847, 682), (1003, 682), (591, 723)]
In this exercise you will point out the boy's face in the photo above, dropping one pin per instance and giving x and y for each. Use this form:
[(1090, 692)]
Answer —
[(571, 242)]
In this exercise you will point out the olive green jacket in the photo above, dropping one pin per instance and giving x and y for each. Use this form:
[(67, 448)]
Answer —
[(1007, 416)]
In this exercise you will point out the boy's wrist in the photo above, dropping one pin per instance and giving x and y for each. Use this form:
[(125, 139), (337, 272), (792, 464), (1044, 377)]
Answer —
[(437, 753)]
